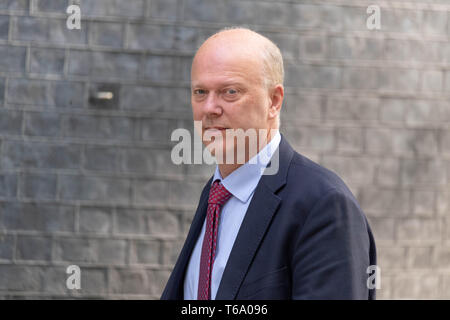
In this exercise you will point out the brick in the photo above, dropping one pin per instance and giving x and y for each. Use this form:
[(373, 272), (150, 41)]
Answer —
[(10, 122), (112, 252), (401, 20), (447, 82), (47, 30), (151, 222), (164, 9), (401, 80), (391, 258), (58, 6), (6, 246), (101, 158), (358, 108), (393, 110), (20, 278), (413, 50), (48, 61), (419, 230), (445, 287), (155, 99), (360, 78), (423, 172), (211, 11), (422, 142), (350, 140), (104, 64), (2, 90), (435, 22), (55, 280), (432, 81), (143, 251), (185, 193), (443, 203), (40, 155), (100, 127), (38, 186), (383, 229), (388, 172), (134, 281), (24, 91), (355, 169), (306, 16), (183, 38), (68, 94), (441, 257), (35, 216), (415, 287), (33, 248), (115, 8), (95, 220), (312, 47), (91, 188), (4, 27), (151, 161), (170, 251), (281, 10), (74, 250), (355, 48), (158, 281), (160, 68), (401, 142), (385, 202), (14, 5), (316, 138), (43, 124), (301, 107), (307, 76), (13, 58), (151, 37), (108, 34), (421, 112), (423, 203), (93, 281), (419, 257), (150, 192)]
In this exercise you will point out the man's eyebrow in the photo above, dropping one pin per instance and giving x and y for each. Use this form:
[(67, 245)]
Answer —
[(223, 84)]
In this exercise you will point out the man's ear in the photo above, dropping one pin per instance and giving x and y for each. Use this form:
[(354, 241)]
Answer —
[(276, 98)]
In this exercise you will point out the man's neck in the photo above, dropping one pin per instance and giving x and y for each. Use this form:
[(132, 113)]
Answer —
[(226, 169)]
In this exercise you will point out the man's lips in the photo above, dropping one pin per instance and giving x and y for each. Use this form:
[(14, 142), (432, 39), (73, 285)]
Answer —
[(215, 128)]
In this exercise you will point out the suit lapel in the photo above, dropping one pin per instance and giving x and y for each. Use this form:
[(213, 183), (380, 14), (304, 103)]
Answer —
[(260, 212)]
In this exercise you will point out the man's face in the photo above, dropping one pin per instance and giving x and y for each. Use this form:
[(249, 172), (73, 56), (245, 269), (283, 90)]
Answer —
[(228, 91)]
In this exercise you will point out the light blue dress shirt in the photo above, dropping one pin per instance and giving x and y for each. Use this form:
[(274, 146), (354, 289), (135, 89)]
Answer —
[(241, 183)]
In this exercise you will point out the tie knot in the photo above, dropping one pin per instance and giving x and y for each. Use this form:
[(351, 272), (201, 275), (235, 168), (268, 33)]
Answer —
[(218, 194)]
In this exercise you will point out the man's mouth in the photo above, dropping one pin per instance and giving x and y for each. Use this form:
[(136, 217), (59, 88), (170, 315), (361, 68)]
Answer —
[(215, 128)]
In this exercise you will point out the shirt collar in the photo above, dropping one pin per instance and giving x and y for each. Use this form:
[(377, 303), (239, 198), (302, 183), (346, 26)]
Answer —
[(242, 182)]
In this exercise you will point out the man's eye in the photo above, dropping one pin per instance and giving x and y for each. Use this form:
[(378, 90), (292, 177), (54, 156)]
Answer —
[(231, 91), (199, 91)]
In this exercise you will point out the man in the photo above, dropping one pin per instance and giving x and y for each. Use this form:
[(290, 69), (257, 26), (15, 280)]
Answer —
[(295, 234)]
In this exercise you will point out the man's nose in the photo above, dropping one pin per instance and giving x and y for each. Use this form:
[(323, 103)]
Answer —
[(212, 105)]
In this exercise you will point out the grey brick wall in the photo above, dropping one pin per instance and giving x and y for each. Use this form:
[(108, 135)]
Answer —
[(89, 182)]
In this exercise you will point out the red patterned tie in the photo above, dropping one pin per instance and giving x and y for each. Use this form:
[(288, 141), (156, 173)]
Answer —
[(218, 196)]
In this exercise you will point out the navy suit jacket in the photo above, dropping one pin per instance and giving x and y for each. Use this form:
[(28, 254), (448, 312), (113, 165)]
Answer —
[(304, 236)]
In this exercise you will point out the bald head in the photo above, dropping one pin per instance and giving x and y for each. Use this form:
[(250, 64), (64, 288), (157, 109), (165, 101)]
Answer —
[(245, 44)]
